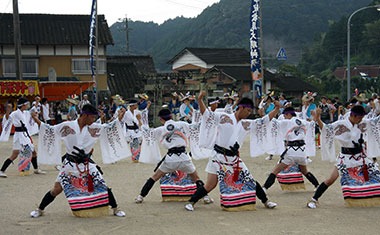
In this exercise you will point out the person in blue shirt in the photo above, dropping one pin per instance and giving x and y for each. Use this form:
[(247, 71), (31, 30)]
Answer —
[(194, 103), (143, 103), (174, 105), (266, 105), (282, 99), (186, 109), (308, 106)]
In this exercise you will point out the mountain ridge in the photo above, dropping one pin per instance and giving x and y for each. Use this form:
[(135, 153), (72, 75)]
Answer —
[(291, 24)]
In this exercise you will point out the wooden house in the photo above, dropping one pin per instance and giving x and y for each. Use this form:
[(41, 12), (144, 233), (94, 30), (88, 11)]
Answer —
[(54, 49)]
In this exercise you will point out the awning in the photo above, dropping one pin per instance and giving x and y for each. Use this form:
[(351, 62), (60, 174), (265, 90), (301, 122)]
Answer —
[(55, 91)]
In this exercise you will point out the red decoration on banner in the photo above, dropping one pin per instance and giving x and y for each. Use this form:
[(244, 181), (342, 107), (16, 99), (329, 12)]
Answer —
[(17, 88)]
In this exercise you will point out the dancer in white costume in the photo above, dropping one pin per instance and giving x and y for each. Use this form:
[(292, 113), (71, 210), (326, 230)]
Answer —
[(174, 136), (359, 139), (79, 178), (133, 121), (294, 140), (22, 142), (225, 133)]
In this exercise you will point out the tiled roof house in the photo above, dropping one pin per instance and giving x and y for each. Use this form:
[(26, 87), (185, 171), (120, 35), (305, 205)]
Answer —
[(54, 48), (127, 75), (228, 69)]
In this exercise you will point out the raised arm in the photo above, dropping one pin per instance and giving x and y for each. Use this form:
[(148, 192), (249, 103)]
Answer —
[(202, 106), (121, 113), (274, 112), (318, 118), (148, 105), (139, 119), (236, 101), (35, 118)]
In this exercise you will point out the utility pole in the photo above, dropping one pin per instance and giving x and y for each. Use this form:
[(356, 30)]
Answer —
[(17, 39), (348, 47), (97, 56)]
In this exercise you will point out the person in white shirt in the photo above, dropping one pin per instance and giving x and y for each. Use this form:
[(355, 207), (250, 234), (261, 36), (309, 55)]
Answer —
[(8, 111), (174, 136), (6, 123), (80, 178), (296, 134), (45, 110), (132, 124), (376, 103), (83, 101), (21, 138), (358, 138), (225, 133), (36, 106)]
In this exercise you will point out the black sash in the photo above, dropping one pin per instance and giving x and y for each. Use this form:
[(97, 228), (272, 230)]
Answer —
[(176, 150), (298, 143), (23, 128), (134, 127), (351, 151), (20, 129), (225, 151), (171, 151), (75, 159)]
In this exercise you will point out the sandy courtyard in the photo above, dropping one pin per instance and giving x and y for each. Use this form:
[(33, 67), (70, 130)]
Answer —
[(21, 194)]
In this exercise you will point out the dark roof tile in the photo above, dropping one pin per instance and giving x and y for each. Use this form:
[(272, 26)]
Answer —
[(240, 73), (143, 63), (46, 29), (293, 84)]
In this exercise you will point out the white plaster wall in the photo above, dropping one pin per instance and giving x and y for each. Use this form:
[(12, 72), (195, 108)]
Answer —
[(189, 58)]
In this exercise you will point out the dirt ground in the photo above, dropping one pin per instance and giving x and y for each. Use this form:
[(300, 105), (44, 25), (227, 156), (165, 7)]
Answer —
[(19, 195)]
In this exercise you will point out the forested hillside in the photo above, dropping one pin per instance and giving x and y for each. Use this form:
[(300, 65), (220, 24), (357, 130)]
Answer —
[(291, 24), (329, 51)]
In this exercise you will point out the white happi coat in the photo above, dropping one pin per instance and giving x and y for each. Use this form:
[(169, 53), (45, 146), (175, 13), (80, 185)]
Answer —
[(236, 184), (196, 151), (130, 119), (228, 108), (292, 130), (6, 129), (171, 134), (344, 132), (224, 130), (15, 119), (112, 141), (218, 128)]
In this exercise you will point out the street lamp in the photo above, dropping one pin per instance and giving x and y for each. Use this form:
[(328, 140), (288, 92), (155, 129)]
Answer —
[(348, 47)]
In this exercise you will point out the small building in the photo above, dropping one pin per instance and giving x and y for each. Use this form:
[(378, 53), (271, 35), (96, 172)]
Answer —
[(291, 86), (203, 59), (221, 70), (127, 75), (370, 71), (54, 48), (194, 66)]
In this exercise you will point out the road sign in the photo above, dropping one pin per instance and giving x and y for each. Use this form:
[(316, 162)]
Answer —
[(281, 54)]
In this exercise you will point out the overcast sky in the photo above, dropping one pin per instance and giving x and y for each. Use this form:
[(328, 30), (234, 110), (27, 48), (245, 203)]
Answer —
[(144, 10)]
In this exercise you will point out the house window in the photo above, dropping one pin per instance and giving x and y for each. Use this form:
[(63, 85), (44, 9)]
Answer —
[(29, 67), (82, 66)]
